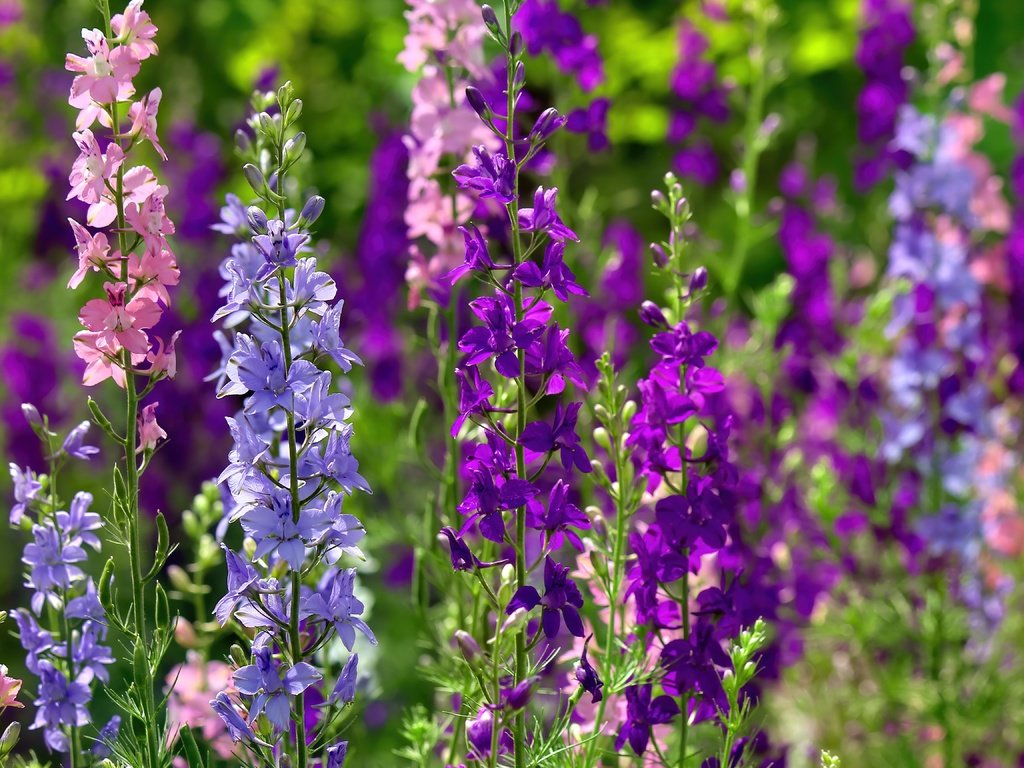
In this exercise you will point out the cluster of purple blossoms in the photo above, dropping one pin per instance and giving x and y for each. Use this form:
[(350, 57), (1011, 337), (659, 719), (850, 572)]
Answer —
[(291, 454), (941, 407), (702, 96), (1015, 253), (887, 33), (64, 631), (514, 358), (681, 446)]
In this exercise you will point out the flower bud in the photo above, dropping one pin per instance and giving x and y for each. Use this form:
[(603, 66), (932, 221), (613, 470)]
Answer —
[(699, 280), (311, 210), (628, 411), (602, 439), (515, 47), (255, 177), (670, 179), (546, 125), (738, 181), (242, 141), (476, 100), (515, 621), (294, 110), (491, 21), (659, 255), (520, 78), (266, 125), (293, 148), (10, 739), (31, 414), (257, 219), (652, 315), (659, 201), (185, 634), (179, 579), (468, 645), (520, 696), (237, 655)]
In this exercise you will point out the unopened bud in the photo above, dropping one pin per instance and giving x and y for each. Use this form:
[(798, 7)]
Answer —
[(179, 578), (699, 280), (294, 147), (491, 21), (659, 201), (468, 645), (10, 739), (31, 414), (185, 634), (242, 141), (628, 410), (515, 47), (659, 255), (652, 315), (602, 438), (520, 696), (237, 656), (476, 100), (311, 210), (255, 177), (515, 621), (546, 125), (257, 219)]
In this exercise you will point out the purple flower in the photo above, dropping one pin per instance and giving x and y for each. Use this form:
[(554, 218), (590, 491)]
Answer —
[(26, 488), (78, 523), (345, 689), (552, 273), (272, 527), (489, 176), (52, 561), (477, 256), (238, 729), (74, 443), (61, 703), (242, 576), (261, 370), (335, 755), (486, 500), (641, 714), (587, 676), (561, 600), (336, 605), (327, 339), (560, 434), (263, 680), (279, 247), (559, 519), (501, 336), (479, 733), (543, 218), (475, 393), (592, 121)]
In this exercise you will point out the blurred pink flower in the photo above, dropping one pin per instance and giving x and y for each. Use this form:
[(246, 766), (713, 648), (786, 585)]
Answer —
[(195, 683)]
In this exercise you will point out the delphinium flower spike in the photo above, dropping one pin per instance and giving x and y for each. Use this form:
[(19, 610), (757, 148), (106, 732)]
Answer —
[(136, 266), (290, 469), (515, 360), (64, 631)]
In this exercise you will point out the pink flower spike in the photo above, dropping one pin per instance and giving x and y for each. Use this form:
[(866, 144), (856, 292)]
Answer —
[(93, 253), (106, 76), (150, 433), (986, 97), (122, 323), (135, 30), (143, 117), (164, 361), (92, 169), (152, 274), (10, 687)]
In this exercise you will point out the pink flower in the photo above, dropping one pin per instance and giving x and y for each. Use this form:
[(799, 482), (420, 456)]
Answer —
[(105, 75), (101, 361), (152, 273), (139, 183), (986, 97), (194, 683), (143, 117), (150, 433), (10, 687), (135, 31), (92, 169), (93, 253), (149, 219), (163, 360), (123, 323)]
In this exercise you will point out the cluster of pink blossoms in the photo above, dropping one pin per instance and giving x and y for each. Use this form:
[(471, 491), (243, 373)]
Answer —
[(444, 35), (135, 260)]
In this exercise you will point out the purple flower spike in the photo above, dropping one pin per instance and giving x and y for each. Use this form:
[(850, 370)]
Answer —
[(543, 218)]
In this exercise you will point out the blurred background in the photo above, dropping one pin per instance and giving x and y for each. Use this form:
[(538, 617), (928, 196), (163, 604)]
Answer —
[(341, 56)]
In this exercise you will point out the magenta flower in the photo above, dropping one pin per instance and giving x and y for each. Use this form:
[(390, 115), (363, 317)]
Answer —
[(93, 169), (135, 31), (121, 325)]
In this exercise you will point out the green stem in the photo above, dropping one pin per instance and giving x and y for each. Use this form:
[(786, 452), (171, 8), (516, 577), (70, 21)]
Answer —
[(294, 636), (519, 722)]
